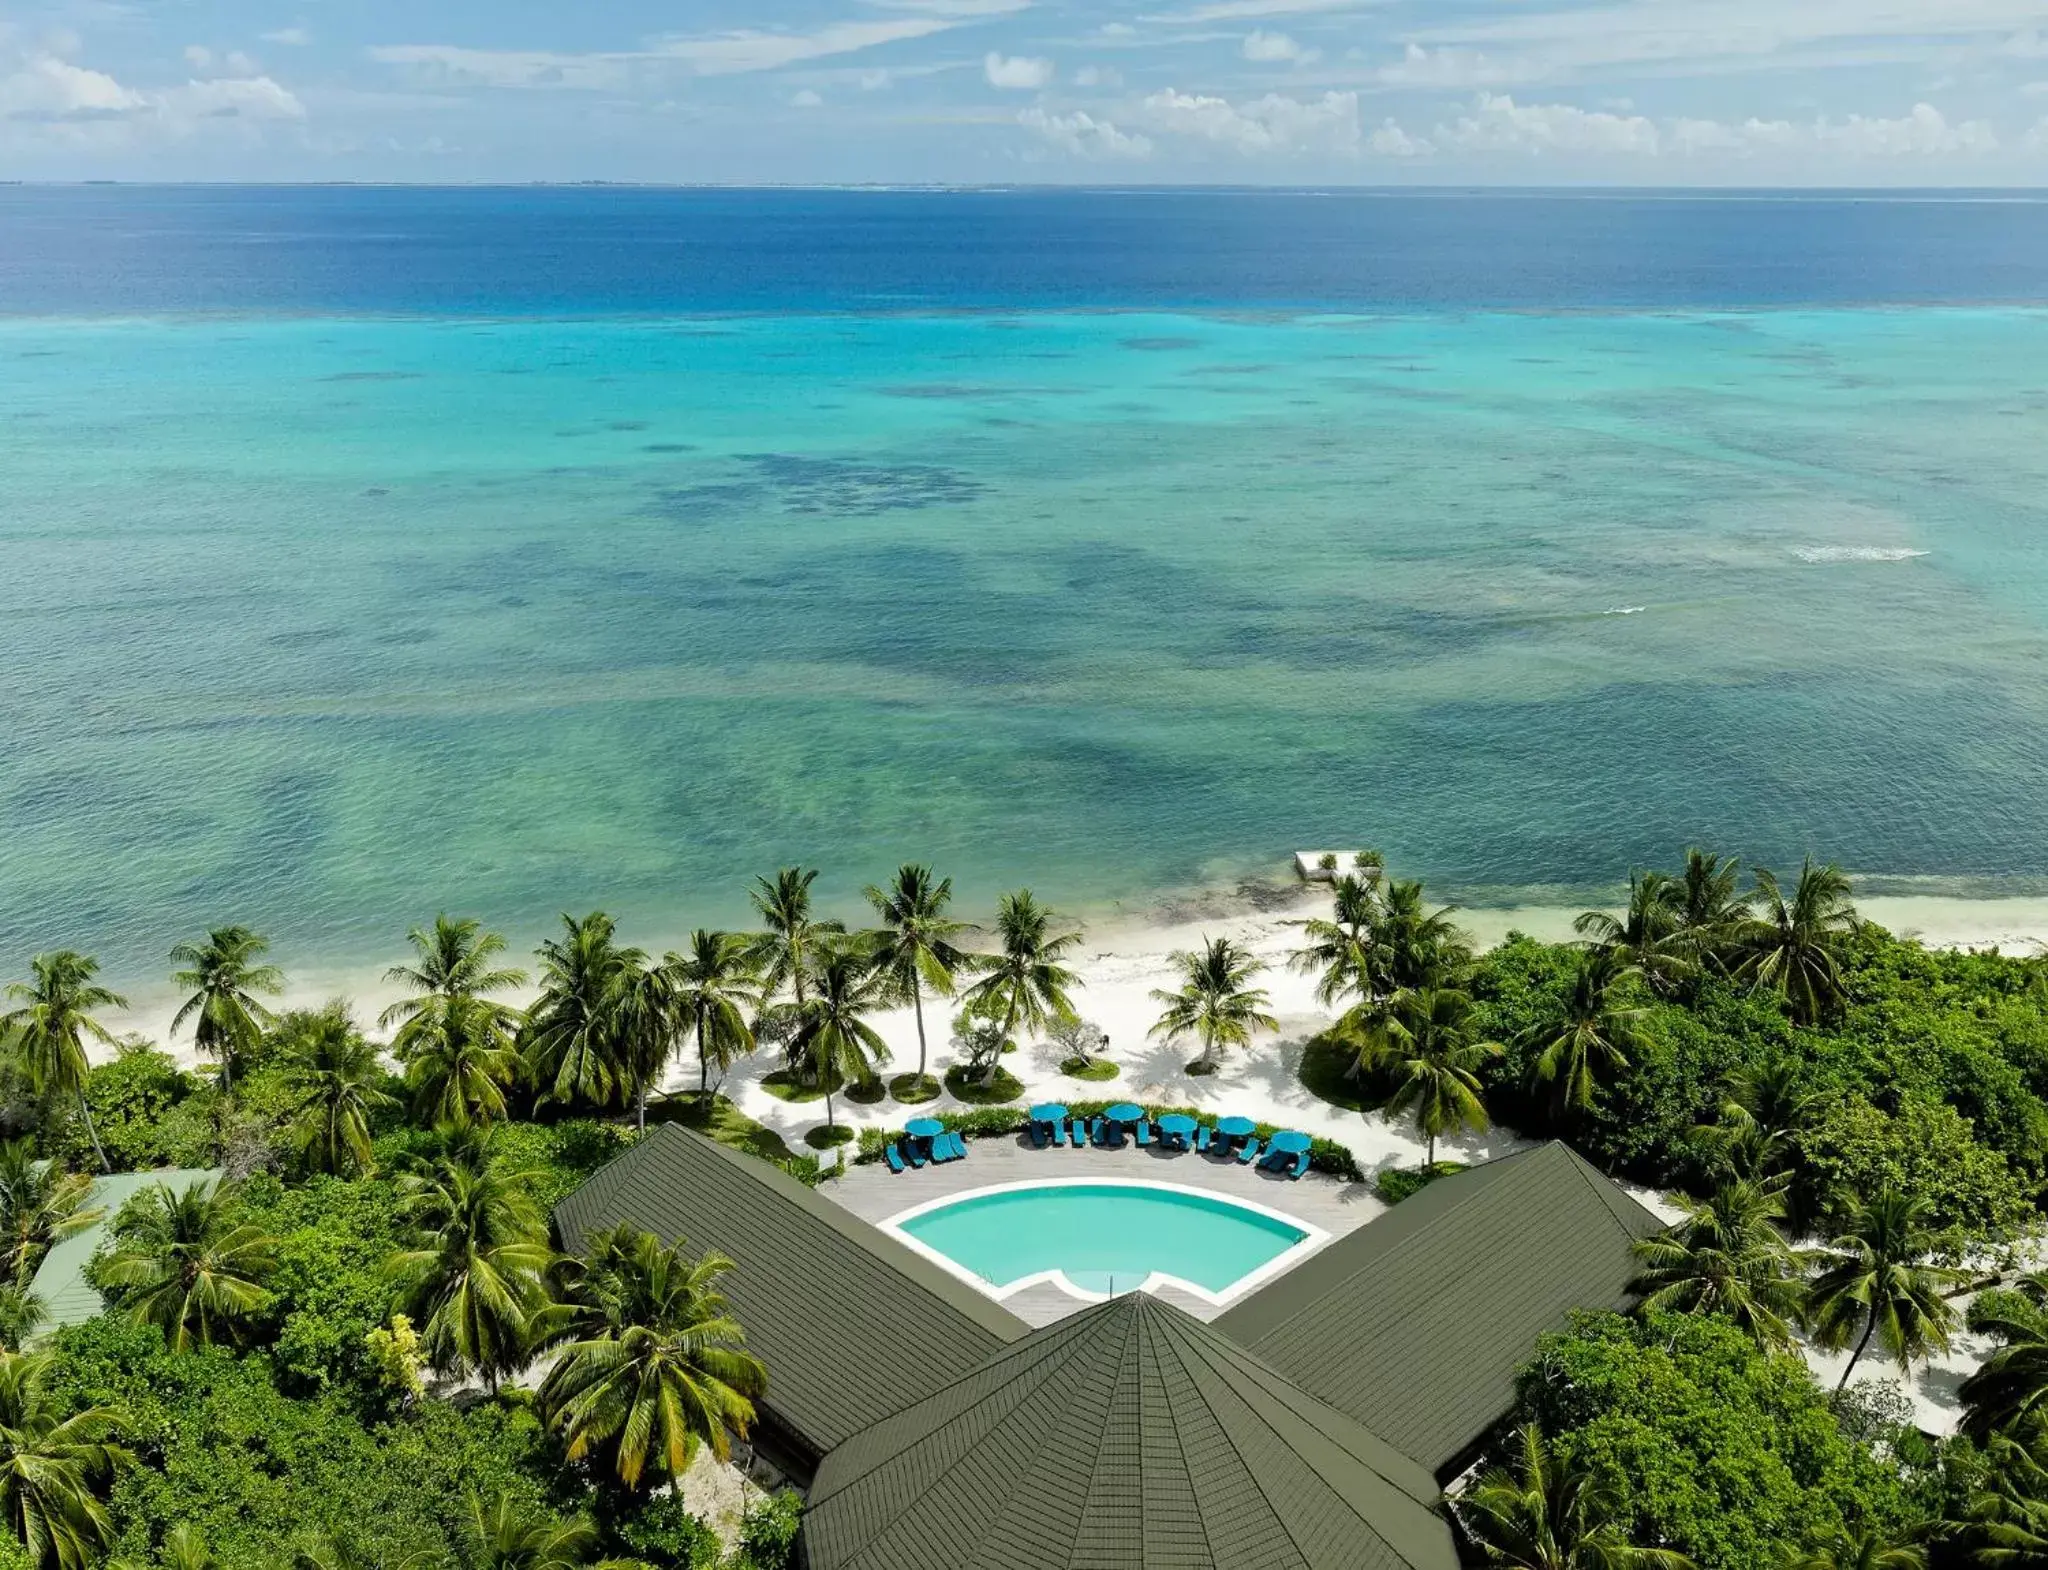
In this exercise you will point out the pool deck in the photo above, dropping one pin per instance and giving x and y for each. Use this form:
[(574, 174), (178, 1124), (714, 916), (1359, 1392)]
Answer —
[(874, 1193)]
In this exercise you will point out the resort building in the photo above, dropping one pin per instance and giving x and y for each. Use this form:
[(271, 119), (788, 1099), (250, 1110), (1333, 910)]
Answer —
[(1311, 1424)]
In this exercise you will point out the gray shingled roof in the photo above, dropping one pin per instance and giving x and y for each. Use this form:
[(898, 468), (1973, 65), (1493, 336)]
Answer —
[(1129, 1437), (1416, 1323), (850, 1323)]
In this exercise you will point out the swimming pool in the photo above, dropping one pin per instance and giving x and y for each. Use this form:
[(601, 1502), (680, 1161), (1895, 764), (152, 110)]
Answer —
[(1096, 1237)]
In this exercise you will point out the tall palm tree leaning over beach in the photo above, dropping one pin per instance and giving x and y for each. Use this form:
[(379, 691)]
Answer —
[(1709, 910), (1436, 1067), (1590, 1034), (916, 946), (459, 1061), (227, 1019), (336, 1081), (50, 1027), (712, 988), (1026, 983), (1215, 1002), (1337, 949), (1646, 935), (834, 1044), (574, 1037), (788, 931)]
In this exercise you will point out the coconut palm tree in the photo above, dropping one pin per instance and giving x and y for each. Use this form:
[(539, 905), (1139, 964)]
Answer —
[(452, 959), (51, 1464), (336, 1081), (916, 946), (475, 1276), (1876, 1281), (2009, 1390), (40, 1203), (186, 1263), (1436, 1067), (713, 990), (655, 1365), (1549, 1514), (507, 1535), (1337, 949), (1646, 936), (2005, 1524), (1215, 1002), (459, 1061), (224, 974), (21, 1315), (1858, 1548), (1710, 914), (49, 1029), (575, 1037), (1592, 1031), (1795, 947), (1414, 949), (1727, 1257), (1026, 983), (781, 950), (834, 1044)]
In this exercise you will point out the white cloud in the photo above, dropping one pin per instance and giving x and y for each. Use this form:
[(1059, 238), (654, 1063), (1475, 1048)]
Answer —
[(233, 63), (1017, 72), (1117, 30), (1499, 124), (1272, 124), (521, 68), (1245, 10), (1388, 140), (46, 88), (732, 54), (290, 37), (805, 98), (2036, 140), (1452, 68), (1275, 48), (1084, 136), (230, 98), (1924, 132), (1098, 76), (966, 10), (2034, 89)]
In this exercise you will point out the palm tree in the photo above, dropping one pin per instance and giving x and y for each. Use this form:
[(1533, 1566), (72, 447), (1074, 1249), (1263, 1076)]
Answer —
[(459, 1060), (713, 989), (1589, 1035), (2006, 1522), (916, 945), (655, 1366), (1794, 948), (1646, 936), (1863, 1548), (1710, 914), (1026, 983), (508, 1536), (1764, 1107), (223, 973), (1414, 949), (1727, 1257), (50, 1027), (2009, 1390), (475, 1276), (185, 1548), (453, 960), (50, 1464), (834, 1043), (1549, 1514), (780, 952), (1875, 1279), (21, 1315), (575, 1037), (40, 1203), (187, 1264), (336, 1082), (1216, 1003), (1337, 949), (1436, 1070)]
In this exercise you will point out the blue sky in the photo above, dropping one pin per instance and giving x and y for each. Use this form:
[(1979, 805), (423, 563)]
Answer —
[(1862, 92)]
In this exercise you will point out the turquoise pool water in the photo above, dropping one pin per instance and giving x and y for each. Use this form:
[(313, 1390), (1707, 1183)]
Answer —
[(1104, 1237)]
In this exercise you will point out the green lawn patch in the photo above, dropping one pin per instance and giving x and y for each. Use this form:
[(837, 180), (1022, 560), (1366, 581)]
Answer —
[(867, 1092), (787, 1085), (913, 1088), (1095, 1069), (967, 1086), (825, 1138)]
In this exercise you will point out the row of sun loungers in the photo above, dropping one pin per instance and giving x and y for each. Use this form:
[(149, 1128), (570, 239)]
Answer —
[(908, 1152), (1107, 1134)]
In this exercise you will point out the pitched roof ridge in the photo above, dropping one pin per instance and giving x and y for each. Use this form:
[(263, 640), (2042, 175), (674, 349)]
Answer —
[(1129, 1320), (1610, 1194)]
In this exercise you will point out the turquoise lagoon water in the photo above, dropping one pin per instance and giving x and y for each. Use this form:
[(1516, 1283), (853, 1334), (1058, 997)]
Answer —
[(322, 619), (1104, 1237)]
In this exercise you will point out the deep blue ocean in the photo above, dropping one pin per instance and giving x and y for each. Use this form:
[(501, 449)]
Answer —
[(376, 551)]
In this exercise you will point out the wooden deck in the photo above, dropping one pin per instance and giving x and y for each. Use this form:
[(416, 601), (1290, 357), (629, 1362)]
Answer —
[(874, 1193)]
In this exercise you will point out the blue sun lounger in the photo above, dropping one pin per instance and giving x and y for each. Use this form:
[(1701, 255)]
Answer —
[(959, 1146), (1202, 1137), (1038, 1135), (1059, 1131), (912, 1153), (894, 1157), (1300, 1165), (1080, 1133), (1144, 1132), (1249, 1151), (1095, 1131)]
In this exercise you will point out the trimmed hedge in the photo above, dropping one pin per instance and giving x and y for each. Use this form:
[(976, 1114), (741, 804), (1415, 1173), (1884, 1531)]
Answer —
[(1397, 1183)]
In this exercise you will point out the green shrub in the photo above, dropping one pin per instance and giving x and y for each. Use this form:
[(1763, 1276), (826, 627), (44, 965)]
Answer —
[(1396, 1183), (660, 1531), (768, 1534), (1924, 1148), (828, 1138)]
